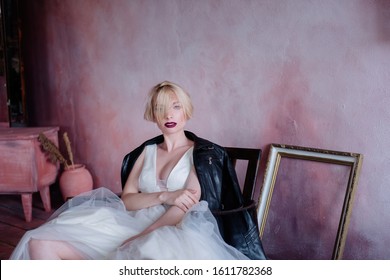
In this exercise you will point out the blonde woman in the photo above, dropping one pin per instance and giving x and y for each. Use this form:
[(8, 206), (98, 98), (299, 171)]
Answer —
[(170, 183)]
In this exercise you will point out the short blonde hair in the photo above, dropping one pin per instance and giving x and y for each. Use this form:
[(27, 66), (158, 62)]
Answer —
[(161, 95)]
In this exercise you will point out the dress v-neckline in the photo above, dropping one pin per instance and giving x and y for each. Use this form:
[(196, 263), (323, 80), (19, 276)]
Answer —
[(156, 178)]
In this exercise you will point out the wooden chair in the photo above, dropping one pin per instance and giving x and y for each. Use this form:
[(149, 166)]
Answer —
[(252, 156)]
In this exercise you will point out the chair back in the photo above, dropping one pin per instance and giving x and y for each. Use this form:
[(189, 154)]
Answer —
[(252, 156)]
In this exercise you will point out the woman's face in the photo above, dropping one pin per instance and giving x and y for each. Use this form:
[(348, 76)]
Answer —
[(174, 118)]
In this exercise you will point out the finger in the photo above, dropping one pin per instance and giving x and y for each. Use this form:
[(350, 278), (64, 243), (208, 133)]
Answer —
[(181, 206), (189, 193), (193, 198), (189, 203)]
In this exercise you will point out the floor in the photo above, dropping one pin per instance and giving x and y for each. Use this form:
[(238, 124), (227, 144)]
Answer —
[(12, 222)]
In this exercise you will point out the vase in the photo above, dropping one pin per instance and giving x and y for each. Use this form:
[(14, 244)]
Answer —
[(74, 180)]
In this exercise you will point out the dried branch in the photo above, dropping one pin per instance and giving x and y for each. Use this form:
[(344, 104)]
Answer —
[(68, 148), (52, 150)]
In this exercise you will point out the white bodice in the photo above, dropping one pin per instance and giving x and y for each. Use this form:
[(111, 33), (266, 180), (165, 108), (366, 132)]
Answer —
[(177, 178)]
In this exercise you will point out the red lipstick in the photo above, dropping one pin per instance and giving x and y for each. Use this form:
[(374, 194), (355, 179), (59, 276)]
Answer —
[(170, 124)]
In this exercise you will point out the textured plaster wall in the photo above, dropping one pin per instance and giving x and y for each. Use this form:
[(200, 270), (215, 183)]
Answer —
[(309, 73)]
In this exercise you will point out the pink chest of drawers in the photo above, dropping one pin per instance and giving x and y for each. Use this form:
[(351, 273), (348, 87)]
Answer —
[(24, 168)]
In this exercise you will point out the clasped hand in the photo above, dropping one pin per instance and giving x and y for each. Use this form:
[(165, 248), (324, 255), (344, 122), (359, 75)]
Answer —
[(183, 198)]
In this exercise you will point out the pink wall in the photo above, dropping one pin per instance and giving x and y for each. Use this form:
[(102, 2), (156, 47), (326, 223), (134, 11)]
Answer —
[(309, 73)]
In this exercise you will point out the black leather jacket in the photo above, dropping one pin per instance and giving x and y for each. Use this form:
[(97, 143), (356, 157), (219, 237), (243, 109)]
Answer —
[(220, 188)]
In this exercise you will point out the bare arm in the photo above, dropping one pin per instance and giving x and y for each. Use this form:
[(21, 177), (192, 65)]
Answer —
[(131, 197), (174, 214)]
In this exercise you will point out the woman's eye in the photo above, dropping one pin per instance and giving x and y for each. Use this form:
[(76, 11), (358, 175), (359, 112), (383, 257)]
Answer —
[(177, 107)]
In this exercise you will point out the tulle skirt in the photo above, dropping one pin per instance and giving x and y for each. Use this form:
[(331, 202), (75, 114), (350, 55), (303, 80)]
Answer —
[(97, 223)]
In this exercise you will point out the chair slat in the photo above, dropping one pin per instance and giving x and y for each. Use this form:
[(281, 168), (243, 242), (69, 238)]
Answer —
[(252, 156)]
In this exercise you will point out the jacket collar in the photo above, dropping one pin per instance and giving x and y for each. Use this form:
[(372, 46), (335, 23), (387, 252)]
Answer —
[(199, 143)]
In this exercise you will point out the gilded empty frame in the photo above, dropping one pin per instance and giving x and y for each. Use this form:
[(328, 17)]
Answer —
[(278, 151)]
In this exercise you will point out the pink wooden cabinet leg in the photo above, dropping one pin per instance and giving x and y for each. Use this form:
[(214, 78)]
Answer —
[(45, 196), (27, 206)]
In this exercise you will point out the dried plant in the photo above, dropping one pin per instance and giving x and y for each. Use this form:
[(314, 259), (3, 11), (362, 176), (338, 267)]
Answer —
[(53, 152), (68, 148)]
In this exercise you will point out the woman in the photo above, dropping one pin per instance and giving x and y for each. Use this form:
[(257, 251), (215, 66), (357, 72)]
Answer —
[(159, 215)]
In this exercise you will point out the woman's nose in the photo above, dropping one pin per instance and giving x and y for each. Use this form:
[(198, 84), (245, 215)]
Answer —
[(169, 114)]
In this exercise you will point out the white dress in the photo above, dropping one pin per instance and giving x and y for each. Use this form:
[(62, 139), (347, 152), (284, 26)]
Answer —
[(96, 223)]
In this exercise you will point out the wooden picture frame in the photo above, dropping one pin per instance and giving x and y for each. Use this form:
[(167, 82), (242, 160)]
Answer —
[(278, 151)]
